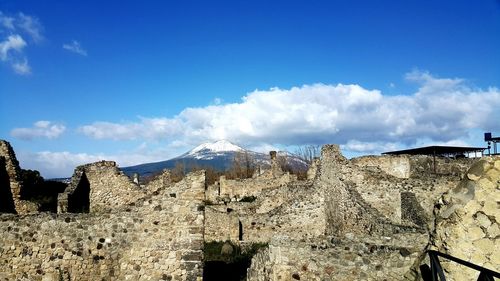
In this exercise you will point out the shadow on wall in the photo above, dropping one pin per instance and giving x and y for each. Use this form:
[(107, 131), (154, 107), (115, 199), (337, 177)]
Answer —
[(79, 200), (6, 200)]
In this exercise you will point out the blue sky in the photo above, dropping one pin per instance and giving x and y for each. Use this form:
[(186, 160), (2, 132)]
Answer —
[(136, 82)]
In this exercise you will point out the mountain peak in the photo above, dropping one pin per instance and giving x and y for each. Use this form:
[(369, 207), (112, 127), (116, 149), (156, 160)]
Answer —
[(218, 146)]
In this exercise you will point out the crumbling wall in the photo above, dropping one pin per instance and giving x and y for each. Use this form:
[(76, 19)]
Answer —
[(467, 223), (329, 258), (159, 237), (383, 189), (10, 179), (302, 216), (233, 190), (108, 188), (221, 225), (164, 179), (360, 242), (237, 189), (396, 166), (424, 165), (411, 210), (295, 210), (212, 193), (346, 211)]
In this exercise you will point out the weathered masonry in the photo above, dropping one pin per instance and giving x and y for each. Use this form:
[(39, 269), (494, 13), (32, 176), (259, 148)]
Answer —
[(153, 234), (10, 183), (368, 218)]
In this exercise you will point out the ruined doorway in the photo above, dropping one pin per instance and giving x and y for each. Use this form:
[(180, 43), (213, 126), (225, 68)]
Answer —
[(79, 200), (6, 199), (222, 271), (224, 265)]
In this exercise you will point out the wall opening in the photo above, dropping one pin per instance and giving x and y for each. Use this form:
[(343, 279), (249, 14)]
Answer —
[(240, 231), (79, 200), (6, 199), (227, 265)]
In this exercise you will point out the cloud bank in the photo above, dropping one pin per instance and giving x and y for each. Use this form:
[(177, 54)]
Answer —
[(40, 129), (441, 110), (62, 163)]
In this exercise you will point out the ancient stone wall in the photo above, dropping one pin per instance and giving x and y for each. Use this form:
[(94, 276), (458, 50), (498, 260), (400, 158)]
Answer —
[(378, 186), (107, 187), (212, 193), (396, 166), (300, 215), (233, 190), (237, 189), (411, 210), (346, 211), (295, 210), (159, 237), (361, 242), (10, 179), (467, 223), (421, 164), (329, 258), (221, 225), (164, 179)]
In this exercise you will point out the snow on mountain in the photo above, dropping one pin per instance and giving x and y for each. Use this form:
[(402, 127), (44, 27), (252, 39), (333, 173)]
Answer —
[(210, 150), (218, 146)]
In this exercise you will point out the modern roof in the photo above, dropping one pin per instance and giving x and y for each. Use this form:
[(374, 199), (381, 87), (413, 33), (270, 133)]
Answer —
[(437, 150)]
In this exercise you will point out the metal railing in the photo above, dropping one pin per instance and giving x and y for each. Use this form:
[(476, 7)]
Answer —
[(435, 271)]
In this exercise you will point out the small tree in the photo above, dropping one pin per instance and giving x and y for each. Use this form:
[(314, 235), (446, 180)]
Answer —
[(282, 159), (178, 172), (308, 152), (243, 166)]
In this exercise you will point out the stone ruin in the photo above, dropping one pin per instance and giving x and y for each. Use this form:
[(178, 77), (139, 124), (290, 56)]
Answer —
[(368, 218), (11, 184), (226, 190)]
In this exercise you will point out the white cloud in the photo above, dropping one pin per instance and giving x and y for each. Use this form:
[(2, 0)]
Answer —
[(441, 110), (369, 147), (40, 129), (75, 47), (22, 68), (6, 21), (12, 46), (62, 164), (148, 129), (12, 43), (31, 25)]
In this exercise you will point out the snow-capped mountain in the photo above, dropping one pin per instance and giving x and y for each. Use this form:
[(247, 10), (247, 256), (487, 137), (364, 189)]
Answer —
[(218, 155), (208, 151)]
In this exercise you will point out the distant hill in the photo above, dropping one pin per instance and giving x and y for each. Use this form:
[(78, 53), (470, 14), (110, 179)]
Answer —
[(218, 155)]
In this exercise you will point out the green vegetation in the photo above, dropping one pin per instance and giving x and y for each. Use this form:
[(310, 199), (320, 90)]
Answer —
[(40, 191)]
